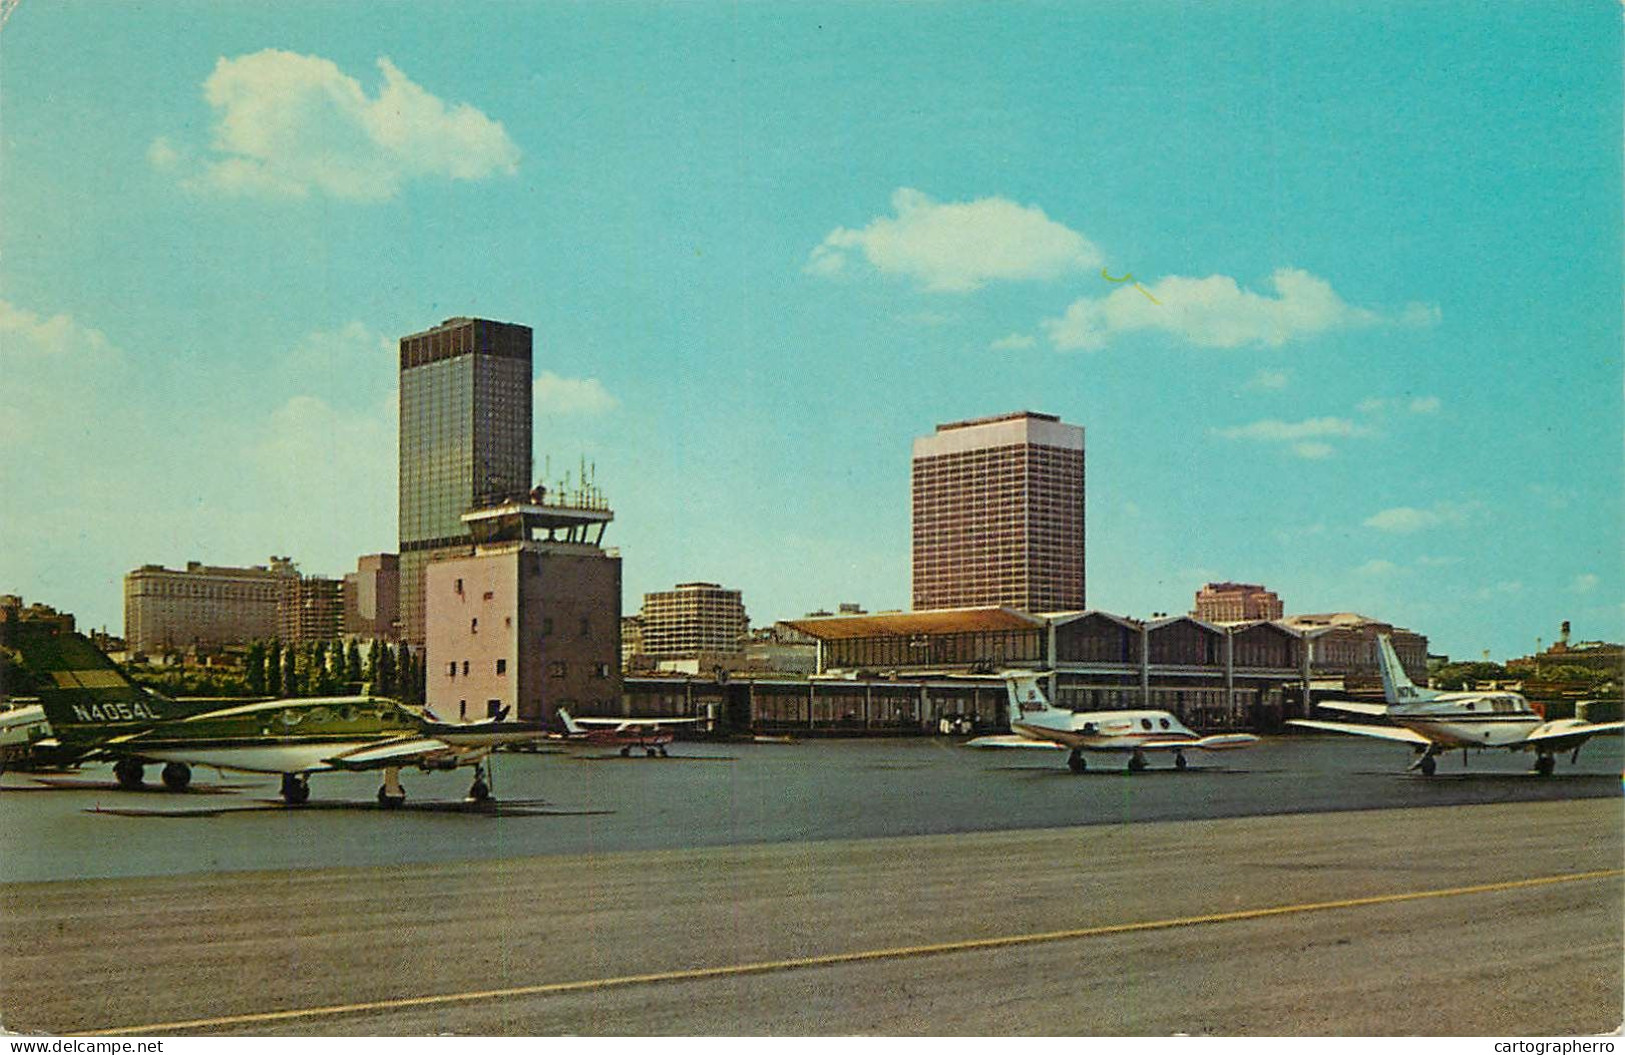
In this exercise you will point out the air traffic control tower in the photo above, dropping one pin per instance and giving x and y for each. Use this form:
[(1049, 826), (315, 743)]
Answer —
[(531, 621)]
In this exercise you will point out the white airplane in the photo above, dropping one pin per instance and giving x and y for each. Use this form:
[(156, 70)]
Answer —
[(650, 734), (1133, 733), (1434, 722)]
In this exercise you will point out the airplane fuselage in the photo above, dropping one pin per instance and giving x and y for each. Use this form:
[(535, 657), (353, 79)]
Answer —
[(1106, 730)]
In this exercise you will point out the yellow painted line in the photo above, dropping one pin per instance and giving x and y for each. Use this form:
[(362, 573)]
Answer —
[(830, 959)]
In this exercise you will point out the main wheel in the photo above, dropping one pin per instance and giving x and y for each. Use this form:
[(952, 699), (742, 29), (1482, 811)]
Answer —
[(626, 752), (480, 792), (1179, 761), (128, 773), (1076, 763), (649, 752), (1136, 763), (389, 801), (1544, 764), (177, 775), (1428, 765), (295, 789)]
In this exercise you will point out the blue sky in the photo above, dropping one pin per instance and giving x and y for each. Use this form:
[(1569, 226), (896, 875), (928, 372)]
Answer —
[(1373, 359)]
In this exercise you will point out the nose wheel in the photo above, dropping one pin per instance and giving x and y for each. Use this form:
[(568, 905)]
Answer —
[(1075, 761), (1136, 762), (390, 793), (480, 790), (1544, 764)]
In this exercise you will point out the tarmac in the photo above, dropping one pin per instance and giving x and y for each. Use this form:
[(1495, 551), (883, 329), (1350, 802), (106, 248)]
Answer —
[(1492, 918)]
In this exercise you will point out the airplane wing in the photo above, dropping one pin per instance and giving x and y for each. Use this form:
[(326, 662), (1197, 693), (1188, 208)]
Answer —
[(1381, 732), (1376, 710), (397, 753), (1218, 742), (1563, 735), (1012, 740), (633, 723)]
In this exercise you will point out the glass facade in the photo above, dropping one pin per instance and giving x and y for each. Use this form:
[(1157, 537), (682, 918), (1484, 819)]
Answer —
[(465, 439)]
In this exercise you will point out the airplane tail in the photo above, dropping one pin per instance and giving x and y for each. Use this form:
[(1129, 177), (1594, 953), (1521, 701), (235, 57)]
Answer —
[(86, 698), (1027, 699), (570, 725), (1397, 687)]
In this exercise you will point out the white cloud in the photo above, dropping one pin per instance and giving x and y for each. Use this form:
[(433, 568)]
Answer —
[(955, 247), (1306, 439), (55, 372), (1214, 312), (1377, 567), (1271, 430), (291, 125), (1500, 589), (1404, 520), (1584, 583), (1415, 405), (553, 394), (1275, 379), (1014, 342)]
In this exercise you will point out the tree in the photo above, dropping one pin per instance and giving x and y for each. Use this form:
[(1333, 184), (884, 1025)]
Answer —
[(254, 669), (352, 662), (384, 674), (290, 671), (403, 673), (273, 668)]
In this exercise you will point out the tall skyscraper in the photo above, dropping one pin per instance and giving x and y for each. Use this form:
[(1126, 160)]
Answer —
[(998, 514), (465, 440)]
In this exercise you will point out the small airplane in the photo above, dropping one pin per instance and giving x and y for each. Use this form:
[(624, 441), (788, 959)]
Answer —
[(1037, 724), (650, 734), (1433, 722), (21, 727), (96, 712)]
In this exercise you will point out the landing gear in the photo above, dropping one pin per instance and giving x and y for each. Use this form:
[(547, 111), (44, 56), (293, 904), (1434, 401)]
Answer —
[(177, 775), (1075, 761), (390, 793), (649, 752), (1544, 764), (295, 789), (1427, 765), (479, 791), (1179, 760), (662, 751), (1136, 762), (626, 752), (128, 773)]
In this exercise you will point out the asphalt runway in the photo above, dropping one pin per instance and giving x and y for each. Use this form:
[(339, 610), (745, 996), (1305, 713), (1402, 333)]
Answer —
[(591, 801), (1485, 920)]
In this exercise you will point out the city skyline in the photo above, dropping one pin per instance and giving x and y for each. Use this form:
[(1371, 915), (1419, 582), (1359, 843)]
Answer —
[(1334, 293)]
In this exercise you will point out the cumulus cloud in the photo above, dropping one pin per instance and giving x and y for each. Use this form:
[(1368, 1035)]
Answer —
[(553, 394), (1269, 379), (1215, 312), (1014, 342), (956, 247), (1377, 567), (1404, 520), (290, 125), (56, 371)]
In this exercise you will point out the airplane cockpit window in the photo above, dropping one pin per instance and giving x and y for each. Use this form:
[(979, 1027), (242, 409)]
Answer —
[(1145, 723), (1471, 706), (1164, 723)]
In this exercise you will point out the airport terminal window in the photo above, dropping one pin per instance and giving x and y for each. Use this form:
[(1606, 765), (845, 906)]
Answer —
[(465, 668), (473, 626), (556, 669), (502, 666), (451, 669)]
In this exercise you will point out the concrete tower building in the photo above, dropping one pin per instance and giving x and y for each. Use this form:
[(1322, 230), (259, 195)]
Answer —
[(465, 440), (999, 513), (530, 620)]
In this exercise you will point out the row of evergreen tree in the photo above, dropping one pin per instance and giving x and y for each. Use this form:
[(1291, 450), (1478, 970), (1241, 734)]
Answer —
[(329, 668)]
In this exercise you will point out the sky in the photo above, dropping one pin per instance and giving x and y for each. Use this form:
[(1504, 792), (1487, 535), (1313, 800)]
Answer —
[(1335, 290)]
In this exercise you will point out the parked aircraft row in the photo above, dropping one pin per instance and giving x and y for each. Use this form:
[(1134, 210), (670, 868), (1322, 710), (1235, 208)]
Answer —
[(91, 710)]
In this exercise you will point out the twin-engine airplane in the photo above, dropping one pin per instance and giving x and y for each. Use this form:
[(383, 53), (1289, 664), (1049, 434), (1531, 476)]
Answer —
[(651, 735), (1116, 732), (96, 712), (1433, 722)]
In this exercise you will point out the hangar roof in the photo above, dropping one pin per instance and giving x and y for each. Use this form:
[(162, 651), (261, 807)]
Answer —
[(900, 624)]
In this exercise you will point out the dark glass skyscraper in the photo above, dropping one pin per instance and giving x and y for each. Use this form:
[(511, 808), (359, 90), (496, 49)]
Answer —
[(465, 440)]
